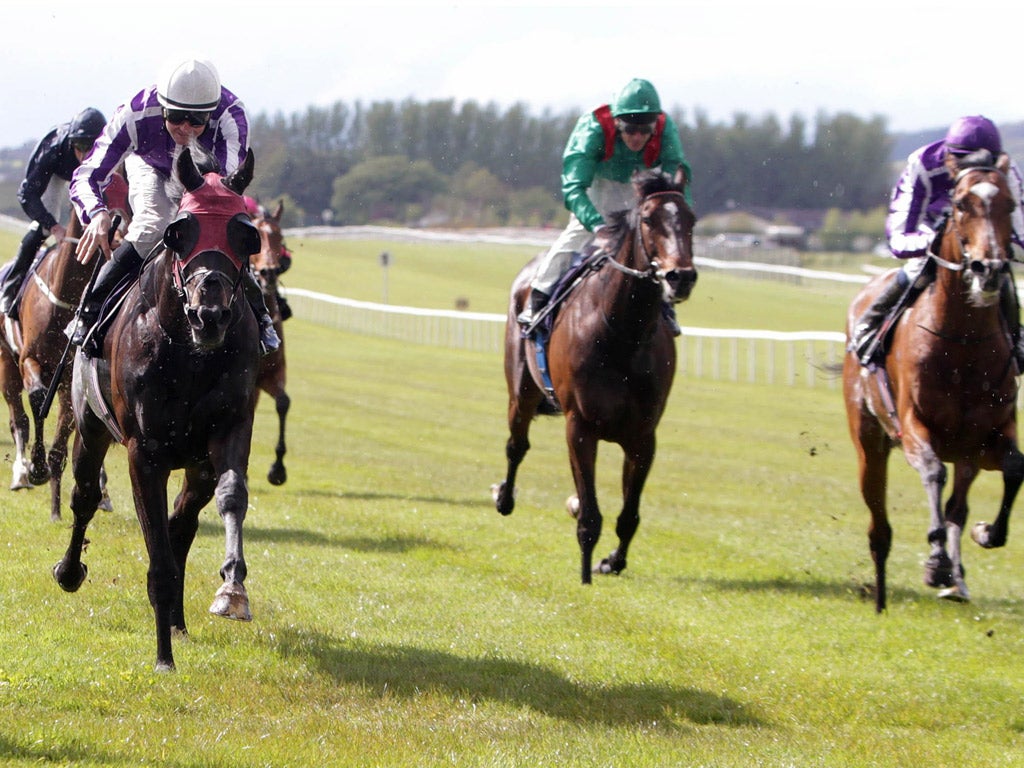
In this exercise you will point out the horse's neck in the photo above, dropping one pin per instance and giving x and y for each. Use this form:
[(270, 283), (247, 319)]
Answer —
[(631, 300)]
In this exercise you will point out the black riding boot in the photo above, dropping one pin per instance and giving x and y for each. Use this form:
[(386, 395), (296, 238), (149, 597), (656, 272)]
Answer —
[(538, 300), (123, 261), (866, 329), (1010, 308), (16, 275), (269, 340)]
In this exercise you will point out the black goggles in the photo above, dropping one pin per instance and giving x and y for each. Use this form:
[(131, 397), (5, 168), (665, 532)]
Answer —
[(82, 145), (179, 116), (644, 129)]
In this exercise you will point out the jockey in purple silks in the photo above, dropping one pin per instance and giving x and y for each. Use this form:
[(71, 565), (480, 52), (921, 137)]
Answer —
[(920, 205), (188, 107)]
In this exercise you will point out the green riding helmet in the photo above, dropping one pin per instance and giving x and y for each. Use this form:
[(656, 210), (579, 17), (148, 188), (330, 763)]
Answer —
[(637, 102)]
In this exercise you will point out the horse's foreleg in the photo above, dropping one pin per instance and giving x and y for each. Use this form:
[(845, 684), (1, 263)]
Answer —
[(196, 491), (636, 465), (873, 456), (39, 470), (956, 517), (70, 572), (582, 444), (938, 569), (163, 580), (995, 534), (19, 425), (277, 474), (231, 600)]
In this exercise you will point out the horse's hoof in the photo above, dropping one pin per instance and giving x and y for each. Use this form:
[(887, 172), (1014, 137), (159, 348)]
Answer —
[(38, 477), (19, 478), (277, 474), (105, 503), (572, 504), (231, 602), (957, 594), (503, 502), (69, 580), (164, 666), (611, 565), (938, 571), (982, 535)]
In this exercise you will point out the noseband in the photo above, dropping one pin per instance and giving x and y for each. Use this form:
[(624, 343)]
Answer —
[(198, 278)]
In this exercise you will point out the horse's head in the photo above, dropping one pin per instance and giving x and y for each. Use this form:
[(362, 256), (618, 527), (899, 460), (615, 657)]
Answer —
[(268, 262), (211, 241), (979, 233), (664, 222)]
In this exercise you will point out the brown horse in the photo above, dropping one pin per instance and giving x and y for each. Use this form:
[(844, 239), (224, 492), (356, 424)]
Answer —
[(176, 384), (612, 359), (947, 391), (268, 264), (46, 305), (10, 384)]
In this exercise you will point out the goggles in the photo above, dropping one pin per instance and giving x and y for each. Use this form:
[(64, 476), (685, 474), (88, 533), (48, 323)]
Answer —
[(633, 129), (82, 145), (179, 116)]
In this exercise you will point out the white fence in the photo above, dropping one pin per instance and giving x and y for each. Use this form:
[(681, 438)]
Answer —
[(734, 355)]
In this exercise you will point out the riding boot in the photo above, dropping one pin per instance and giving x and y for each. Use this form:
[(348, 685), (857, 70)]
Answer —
[(123, 261), (269, 340), (538, 300), (16, 274), (1010, 307), (868, 325)]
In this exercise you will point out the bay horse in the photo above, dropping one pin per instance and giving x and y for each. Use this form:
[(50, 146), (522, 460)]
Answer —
[(273, 374), (612, 359), (46, 305), (947, 391), (176, 385)]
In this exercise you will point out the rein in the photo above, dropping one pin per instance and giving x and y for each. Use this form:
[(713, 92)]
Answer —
[(653, 272)]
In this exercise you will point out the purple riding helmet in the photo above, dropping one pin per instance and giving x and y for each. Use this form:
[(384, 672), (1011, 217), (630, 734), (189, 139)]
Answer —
[(971, 133)]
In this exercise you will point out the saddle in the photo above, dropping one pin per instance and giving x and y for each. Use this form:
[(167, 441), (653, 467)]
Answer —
[(580, 265)]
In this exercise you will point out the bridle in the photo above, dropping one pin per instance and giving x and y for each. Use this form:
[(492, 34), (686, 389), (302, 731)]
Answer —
[(967, 259), (653, 272)]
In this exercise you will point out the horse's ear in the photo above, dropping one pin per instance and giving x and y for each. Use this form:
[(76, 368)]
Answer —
[(243, 236), (279, 210), (239, 179), (189, 175), (182, 234), (679, 179), (1003, 163)]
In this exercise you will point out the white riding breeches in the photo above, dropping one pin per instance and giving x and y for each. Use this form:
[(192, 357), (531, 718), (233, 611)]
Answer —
[(154, 201)]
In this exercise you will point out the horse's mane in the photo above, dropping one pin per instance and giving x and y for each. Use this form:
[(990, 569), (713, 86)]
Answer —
[(647, 182)]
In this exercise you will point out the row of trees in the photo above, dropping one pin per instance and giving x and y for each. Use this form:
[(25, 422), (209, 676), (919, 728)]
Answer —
[(470, 164)]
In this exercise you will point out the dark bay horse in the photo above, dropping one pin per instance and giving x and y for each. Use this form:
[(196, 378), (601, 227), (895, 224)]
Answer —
[(612, 359), (273, 367), (176, 385), (947, 392)]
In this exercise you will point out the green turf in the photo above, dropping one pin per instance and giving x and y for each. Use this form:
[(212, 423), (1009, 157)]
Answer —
[(400, 621)]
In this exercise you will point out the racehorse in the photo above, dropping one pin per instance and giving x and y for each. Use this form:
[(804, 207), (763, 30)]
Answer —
[(176, 384), (612, 359), (273, 367), (947, 390), (46, 305)]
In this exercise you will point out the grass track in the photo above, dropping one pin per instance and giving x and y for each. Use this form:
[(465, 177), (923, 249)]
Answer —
[(400, 621)]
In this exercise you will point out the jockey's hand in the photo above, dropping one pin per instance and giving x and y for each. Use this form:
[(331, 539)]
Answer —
[(59, 233), (96, 235), (602, 238)]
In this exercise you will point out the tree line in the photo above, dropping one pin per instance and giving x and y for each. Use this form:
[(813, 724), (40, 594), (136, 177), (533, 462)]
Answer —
[(470, 164)]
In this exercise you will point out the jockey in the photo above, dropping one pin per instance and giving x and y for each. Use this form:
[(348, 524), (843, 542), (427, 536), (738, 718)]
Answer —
[(188, 107), (918, 210), (57, 155), (604, 150)]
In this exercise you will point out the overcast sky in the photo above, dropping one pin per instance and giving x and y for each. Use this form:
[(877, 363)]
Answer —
[(900, 59)]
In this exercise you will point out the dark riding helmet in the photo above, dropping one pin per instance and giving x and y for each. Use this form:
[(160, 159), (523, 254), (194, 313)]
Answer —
[(87, 125), (971, 133), (637, 103)]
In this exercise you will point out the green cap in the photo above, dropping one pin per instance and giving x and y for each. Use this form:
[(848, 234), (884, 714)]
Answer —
[(638, 99)]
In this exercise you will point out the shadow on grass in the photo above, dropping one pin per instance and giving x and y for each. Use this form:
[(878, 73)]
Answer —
[(410, 672), (397, 544), (62, 754), (373, 496)]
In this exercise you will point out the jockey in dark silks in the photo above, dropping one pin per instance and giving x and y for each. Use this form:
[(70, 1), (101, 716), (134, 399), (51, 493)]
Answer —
[(918, 211), (44, 192)]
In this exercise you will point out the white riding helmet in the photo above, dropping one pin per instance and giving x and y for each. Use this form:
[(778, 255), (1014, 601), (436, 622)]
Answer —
[(192, 84)]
